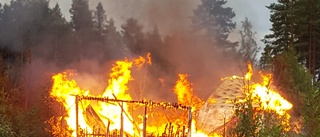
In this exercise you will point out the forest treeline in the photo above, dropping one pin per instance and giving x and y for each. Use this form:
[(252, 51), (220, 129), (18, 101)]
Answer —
[(31, 29)]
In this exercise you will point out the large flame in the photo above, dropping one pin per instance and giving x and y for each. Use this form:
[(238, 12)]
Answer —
[(65, 90), (184, 91), (267, 98), (116, 89)]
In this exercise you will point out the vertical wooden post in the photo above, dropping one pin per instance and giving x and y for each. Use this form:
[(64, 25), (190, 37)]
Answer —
[(108, 128), (77, 111), (189, 121), (144, 132), (121, 120), (224, 126), (183, 131)]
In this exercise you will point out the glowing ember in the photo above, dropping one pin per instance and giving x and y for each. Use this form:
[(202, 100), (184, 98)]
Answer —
[(149, 58)]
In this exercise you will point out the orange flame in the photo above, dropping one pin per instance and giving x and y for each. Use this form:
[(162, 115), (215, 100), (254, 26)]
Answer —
[(149, 58), (249, 73), (117, 87), (64, 91), (139, 62), (184, 90), (268, 98)]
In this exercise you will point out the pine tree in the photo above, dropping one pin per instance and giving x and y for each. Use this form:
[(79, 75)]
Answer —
[(213, 17), (308, 33), (82, 22), (133, 36), (57, 18), (249, 121), (100, 19), (81, 17), (114, 41), (248, 47), (283, 33), (58, 29)]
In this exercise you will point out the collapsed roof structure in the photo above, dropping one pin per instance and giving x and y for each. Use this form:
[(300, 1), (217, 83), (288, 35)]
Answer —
[(217, 110)]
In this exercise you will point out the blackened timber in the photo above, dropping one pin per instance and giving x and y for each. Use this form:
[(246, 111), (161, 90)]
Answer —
[(92, 118), (121, 120), (77, 115), (142, 102), (144, 133), (122, 111), (189, 121)]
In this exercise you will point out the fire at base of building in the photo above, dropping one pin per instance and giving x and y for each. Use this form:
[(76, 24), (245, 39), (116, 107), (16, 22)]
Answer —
[(218, 109), (213, 118), (99, 129), (114, 113), (217, 114)]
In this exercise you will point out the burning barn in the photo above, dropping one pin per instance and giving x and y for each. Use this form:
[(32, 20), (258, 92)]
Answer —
[(115, 113)]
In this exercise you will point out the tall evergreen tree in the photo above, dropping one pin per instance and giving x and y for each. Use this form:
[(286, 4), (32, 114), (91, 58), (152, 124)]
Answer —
[(81, 17), (248, 47), (100, 18), (58, 31), (114, 40), (308, 33), (82, 22), (213, 17), (133, 36), (283, 34)]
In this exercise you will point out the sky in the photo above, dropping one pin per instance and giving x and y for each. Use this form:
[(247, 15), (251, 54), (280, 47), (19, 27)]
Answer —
[(174, 15)]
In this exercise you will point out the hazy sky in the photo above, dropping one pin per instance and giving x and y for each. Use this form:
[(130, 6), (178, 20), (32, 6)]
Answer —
[(175, 14)]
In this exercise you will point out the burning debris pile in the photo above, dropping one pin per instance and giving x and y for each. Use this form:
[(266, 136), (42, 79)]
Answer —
[(114, 112)]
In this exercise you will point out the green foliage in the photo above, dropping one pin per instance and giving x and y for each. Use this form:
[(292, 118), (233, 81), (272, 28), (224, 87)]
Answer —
[(290, 54), (29, 123), (272, 125), (300, 76), (283, 23), (296, 25), (252, 121), (248, 121), (292, 79), (311, 113), (308, 33), (295, 82), (16, 120), (6, 127)]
